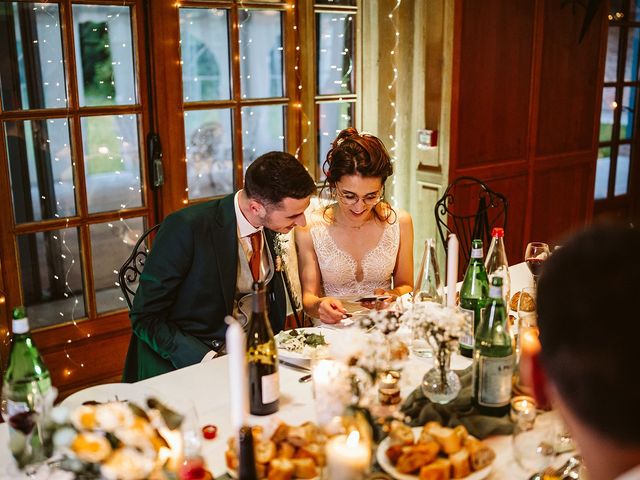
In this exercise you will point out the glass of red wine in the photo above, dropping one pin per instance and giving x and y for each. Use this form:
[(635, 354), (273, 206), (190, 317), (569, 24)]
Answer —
[(535, 256)]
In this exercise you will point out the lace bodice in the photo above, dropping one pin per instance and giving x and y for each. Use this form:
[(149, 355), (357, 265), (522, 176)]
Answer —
[(338, 268)]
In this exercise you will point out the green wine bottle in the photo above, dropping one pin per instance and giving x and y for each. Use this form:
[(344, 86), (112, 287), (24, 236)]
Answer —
[(493, 357), (262, 358), (26, 392), (473, 295)]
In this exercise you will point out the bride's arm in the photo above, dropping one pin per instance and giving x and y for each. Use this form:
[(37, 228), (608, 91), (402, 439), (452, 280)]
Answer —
[(327, 309), (403, 272)]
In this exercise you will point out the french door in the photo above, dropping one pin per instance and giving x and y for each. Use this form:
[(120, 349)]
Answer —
[(114, 113)]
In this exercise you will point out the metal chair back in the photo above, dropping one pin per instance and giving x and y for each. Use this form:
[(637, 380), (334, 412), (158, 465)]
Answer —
[(132, 268), (491, 211)]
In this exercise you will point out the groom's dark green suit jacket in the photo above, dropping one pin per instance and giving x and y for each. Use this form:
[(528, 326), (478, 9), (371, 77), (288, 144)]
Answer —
[(187, 287)]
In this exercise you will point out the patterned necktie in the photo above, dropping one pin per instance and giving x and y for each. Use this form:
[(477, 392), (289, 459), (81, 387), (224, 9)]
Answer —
[(256, 254)]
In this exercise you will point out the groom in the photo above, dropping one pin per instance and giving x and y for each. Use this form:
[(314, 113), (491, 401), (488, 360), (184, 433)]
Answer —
[(203, 263)]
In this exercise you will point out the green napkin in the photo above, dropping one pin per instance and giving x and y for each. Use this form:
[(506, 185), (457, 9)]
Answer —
[(460, 411)]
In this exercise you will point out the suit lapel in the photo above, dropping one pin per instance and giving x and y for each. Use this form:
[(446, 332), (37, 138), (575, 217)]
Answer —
[(225, 237)]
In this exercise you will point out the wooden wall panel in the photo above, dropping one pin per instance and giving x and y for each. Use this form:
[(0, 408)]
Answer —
[(569, 81), (559, 204), (495, 73), (537, 146), (103, 362)]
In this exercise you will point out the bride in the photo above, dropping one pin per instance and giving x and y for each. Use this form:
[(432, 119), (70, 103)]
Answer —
[(358, 245)]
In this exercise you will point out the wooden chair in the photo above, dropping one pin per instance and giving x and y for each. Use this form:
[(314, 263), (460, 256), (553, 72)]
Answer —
[(491, 211), (132, 268)]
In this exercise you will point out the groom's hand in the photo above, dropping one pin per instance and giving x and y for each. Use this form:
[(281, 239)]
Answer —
[(331, 310)]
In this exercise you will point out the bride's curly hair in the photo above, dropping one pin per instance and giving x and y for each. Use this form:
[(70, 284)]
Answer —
[(354, 153)]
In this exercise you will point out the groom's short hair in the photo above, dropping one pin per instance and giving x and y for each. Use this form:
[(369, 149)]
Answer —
[(589, 328), (274, 176)]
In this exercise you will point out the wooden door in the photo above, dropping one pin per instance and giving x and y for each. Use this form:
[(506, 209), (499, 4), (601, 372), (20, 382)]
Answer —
[(74, 192)]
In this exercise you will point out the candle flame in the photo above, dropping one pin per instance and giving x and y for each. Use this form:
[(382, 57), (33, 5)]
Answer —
[(353, 439)]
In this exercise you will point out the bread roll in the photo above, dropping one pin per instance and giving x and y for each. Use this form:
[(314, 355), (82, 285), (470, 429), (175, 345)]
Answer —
[(462, 433), (447, 438), (417, 456), (460, 466), (281, 469), (393, 453), (304, 468), (400, 434), (265, 451), (313, 451), (285, 450), (480, 454), (281, 433), (438, 470), (528, 304)]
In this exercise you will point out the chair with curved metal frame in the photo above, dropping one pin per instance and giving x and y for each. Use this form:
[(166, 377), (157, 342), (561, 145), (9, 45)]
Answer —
[(491, 212), (131, 269)]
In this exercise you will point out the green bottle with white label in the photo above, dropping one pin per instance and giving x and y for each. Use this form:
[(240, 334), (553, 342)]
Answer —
[(26, 393), (493, 357), (474, 294)]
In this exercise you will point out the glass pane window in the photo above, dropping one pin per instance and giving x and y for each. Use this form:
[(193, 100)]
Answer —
[(30, 40), (631, 62), (51, 276), (335, 42), (111, 244), (628, 111), (104, 55), (262, 131), (208, 138), (261, 53), (112, 162), (40, 169), (611, 66), (609, 104), (602, 173), (622, 170), (204, 49), (334, 117)]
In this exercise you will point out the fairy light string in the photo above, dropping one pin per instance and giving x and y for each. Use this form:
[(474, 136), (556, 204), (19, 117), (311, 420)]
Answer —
[(392, 93), (67, 255)]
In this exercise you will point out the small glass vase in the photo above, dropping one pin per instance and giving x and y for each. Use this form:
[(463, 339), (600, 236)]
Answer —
[(441, 384)]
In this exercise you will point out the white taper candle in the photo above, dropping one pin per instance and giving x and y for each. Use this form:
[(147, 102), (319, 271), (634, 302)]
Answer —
[(452, 269), (238, 381)]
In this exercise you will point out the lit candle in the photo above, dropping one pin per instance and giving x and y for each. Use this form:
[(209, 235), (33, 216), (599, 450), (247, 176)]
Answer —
[(388, 390), (521, 403), (347, 457), (452, 269), (330, 389), (529, 348), (238, 381)]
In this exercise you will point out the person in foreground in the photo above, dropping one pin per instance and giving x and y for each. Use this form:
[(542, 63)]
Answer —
[(203, 263), (358, 245), (588, 363)]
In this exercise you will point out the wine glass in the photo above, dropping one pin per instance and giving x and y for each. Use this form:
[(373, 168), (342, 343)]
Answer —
[(535, 255), (532, 441)]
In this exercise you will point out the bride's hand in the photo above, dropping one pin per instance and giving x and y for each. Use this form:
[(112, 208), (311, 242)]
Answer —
[(331, 310)]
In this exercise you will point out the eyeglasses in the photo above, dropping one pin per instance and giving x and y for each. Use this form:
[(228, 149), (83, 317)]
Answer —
[(349, 198)]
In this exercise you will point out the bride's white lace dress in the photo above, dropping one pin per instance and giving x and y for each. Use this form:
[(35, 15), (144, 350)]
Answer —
[(339, 268)]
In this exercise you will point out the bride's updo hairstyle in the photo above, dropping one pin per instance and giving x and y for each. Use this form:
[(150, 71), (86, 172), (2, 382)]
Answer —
[(354, 153)]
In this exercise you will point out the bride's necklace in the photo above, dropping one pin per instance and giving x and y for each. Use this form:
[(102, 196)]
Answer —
[(340, 220)]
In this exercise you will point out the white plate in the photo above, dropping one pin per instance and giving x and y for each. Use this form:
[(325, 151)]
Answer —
[(234, 474), (111, 392), (388, 467), (301, 358)]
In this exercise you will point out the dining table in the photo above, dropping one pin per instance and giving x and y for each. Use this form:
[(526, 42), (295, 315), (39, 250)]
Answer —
[(201, 393)]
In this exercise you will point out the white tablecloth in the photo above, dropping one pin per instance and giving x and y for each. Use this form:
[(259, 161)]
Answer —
[(201, 392)]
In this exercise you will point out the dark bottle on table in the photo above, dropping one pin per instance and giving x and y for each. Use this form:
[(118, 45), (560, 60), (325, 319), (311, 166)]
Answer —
[(246, 456), (493, 357), (473, 295), (262, 358)]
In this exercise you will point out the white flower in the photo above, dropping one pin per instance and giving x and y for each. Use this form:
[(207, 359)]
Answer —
[(63, 437), (91, 447), (127, 464), (110, 416), (60, 414)]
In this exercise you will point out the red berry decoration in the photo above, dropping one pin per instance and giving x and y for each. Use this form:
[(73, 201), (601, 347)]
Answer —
[(210, 432)]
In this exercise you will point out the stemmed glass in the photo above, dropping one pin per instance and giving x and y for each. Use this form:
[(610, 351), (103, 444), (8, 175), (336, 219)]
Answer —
[(535, 255)]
